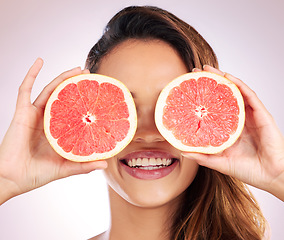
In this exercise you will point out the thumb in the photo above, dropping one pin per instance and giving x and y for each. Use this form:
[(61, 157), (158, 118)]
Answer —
[(214, 162), (73, 168)]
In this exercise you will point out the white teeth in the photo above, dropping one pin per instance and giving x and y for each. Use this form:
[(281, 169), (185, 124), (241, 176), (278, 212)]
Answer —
[(150, 167), (145, 162), (159, 161), (149, 163), (152, 161), (138, 162)]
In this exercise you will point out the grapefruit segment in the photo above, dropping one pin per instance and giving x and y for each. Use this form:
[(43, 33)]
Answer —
[(200, 112), (90, 117), (88, 91)]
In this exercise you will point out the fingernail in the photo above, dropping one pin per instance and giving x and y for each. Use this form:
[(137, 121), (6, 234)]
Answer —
[(196, 70), (204, 66)]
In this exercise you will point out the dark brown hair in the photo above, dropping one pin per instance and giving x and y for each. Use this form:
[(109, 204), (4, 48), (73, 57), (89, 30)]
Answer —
[(214, 206), (153, 23)]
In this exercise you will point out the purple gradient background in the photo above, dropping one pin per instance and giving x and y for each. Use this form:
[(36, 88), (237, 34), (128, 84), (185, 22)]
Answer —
[(248, 37)]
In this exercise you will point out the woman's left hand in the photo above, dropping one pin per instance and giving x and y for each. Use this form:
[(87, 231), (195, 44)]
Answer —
[(257, 158)]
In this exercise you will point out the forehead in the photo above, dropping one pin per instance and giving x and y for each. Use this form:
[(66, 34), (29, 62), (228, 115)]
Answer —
[(143, 64)]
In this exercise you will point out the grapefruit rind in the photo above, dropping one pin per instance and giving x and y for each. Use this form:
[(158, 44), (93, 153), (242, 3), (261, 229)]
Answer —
[(168, 135), (95, 156)]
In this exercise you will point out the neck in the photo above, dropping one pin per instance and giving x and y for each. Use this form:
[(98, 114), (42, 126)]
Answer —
[(130, 222)]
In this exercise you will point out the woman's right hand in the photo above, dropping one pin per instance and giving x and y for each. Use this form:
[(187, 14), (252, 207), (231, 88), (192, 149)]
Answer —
[(27, 160), (257, 157)]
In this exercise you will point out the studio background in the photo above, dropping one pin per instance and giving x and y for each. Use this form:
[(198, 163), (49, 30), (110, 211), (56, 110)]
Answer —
[(247, 36)]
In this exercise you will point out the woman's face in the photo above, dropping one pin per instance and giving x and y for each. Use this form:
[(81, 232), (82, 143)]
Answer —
[(145, 67)]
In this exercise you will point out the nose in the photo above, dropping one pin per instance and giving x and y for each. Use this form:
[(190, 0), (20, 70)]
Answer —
[(147, 131)]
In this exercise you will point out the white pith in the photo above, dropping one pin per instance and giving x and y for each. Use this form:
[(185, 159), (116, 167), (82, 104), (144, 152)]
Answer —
[(201, 111), (146, 162), (168, 135), (90, 117), (95, 156)]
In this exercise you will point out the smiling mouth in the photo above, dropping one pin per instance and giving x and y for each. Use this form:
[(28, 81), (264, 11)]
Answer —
[(149, 165)]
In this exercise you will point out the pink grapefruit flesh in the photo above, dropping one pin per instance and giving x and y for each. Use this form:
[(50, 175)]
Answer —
[(200, 112), (90, 117)]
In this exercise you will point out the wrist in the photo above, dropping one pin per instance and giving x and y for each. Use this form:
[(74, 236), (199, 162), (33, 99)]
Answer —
[(277, 187), (7, 190)]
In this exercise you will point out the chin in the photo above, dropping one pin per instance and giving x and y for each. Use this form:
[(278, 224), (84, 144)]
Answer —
[(150, 178)]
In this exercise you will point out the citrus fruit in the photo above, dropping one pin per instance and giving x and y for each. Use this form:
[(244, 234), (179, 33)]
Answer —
[(200, 112), (90, 117)]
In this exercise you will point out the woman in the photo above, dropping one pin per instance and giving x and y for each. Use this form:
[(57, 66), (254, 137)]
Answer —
[(203, 196)]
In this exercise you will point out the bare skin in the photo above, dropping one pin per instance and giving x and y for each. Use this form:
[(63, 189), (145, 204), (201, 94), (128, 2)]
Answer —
[(124, 198), (138, 205), (257, 158), (140, 208), (34, 163)]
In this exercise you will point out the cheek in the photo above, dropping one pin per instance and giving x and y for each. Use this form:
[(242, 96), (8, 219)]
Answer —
[(114, 179), (111, 173), (188, 172)]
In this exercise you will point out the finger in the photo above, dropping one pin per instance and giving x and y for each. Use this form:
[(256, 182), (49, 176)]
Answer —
[(196, 70), (245, 90), (70, 168), (250, 97), (41, 100), (25, 89), (86, 71), (213, 70), (255, 110)]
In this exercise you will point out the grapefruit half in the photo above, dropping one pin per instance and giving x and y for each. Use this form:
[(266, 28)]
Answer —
[(90, 117), (200, 112)]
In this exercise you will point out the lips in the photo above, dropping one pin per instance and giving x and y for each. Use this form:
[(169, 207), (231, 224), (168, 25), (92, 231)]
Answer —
[(149, 165)]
